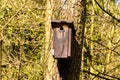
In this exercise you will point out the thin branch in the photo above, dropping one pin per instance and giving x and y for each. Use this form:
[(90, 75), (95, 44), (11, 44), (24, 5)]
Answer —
[(60, 9), (103, 45), (101, 76), (95, 74), (110, 14), (1, 30), (83, 21), (13, 16), (113, 69)]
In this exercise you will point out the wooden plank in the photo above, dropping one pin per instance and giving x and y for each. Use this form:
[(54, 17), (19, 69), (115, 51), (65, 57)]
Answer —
[(66, 42), (61, 42), (69, 41)]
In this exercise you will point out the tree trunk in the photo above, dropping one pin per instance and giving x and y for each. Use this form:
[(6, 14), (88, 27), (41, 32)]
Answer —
[(91, 35), (67, 69), (0, 59), (51, 72)]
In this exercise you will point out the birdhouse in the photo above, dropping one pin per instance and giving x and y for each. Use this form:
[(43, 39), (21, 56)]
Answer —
[(62, 39)]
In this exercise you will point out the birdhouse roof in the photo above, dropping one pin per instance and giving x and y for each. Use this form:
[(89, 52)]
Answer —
[(59, 23)]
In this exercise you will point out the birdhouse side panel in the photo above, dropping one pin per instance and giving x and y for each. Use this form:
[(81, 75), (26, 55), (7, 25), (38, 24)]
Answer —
[(69, 41)]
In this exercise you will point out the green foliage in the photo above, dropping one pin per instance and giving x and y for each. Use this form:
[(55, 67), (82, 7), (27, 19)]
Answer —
[(22, 29), (101, 40), (22, 25)]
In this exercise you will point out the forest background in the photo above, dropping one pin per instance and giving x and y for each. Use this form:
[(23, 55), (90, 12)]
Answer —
[(25, 40)]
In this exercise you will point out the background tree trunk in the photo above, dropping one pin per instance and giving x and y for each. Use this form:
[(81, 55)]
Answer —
[(0, 59)]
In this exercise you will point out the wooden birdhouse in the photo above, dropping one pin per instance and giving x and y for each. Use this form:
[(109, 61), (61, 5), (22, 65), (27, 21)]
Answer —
[(62, 39)]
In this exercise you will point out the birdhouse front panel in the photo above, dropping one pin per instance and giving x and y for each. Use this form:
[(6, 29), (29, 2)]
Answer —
[(62, 42)]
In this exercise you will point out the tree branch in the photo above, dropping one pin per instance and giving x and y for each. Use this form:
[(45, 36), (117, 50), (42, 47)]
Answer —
[(60, 9), (110, 14), (103, 45), (100, 75), (13, 16)]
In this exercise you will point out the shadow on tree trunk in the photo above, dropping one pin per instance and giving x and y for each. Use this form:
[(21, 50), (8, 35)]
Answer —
[(69, 69)]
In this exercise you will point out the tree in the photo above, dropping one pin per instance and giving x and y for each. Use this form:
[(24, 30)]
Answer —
[(74, 67), (50, 63), (26, 38)]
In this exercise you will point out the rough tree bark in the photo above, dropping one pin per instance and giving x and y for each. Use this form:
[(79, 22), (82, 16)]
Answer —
[(73, 68), (51, 72)]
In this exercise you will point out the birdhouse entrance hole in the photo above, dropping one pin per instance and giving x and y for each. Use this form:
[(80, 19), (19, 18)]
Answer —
[(61, 30)]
